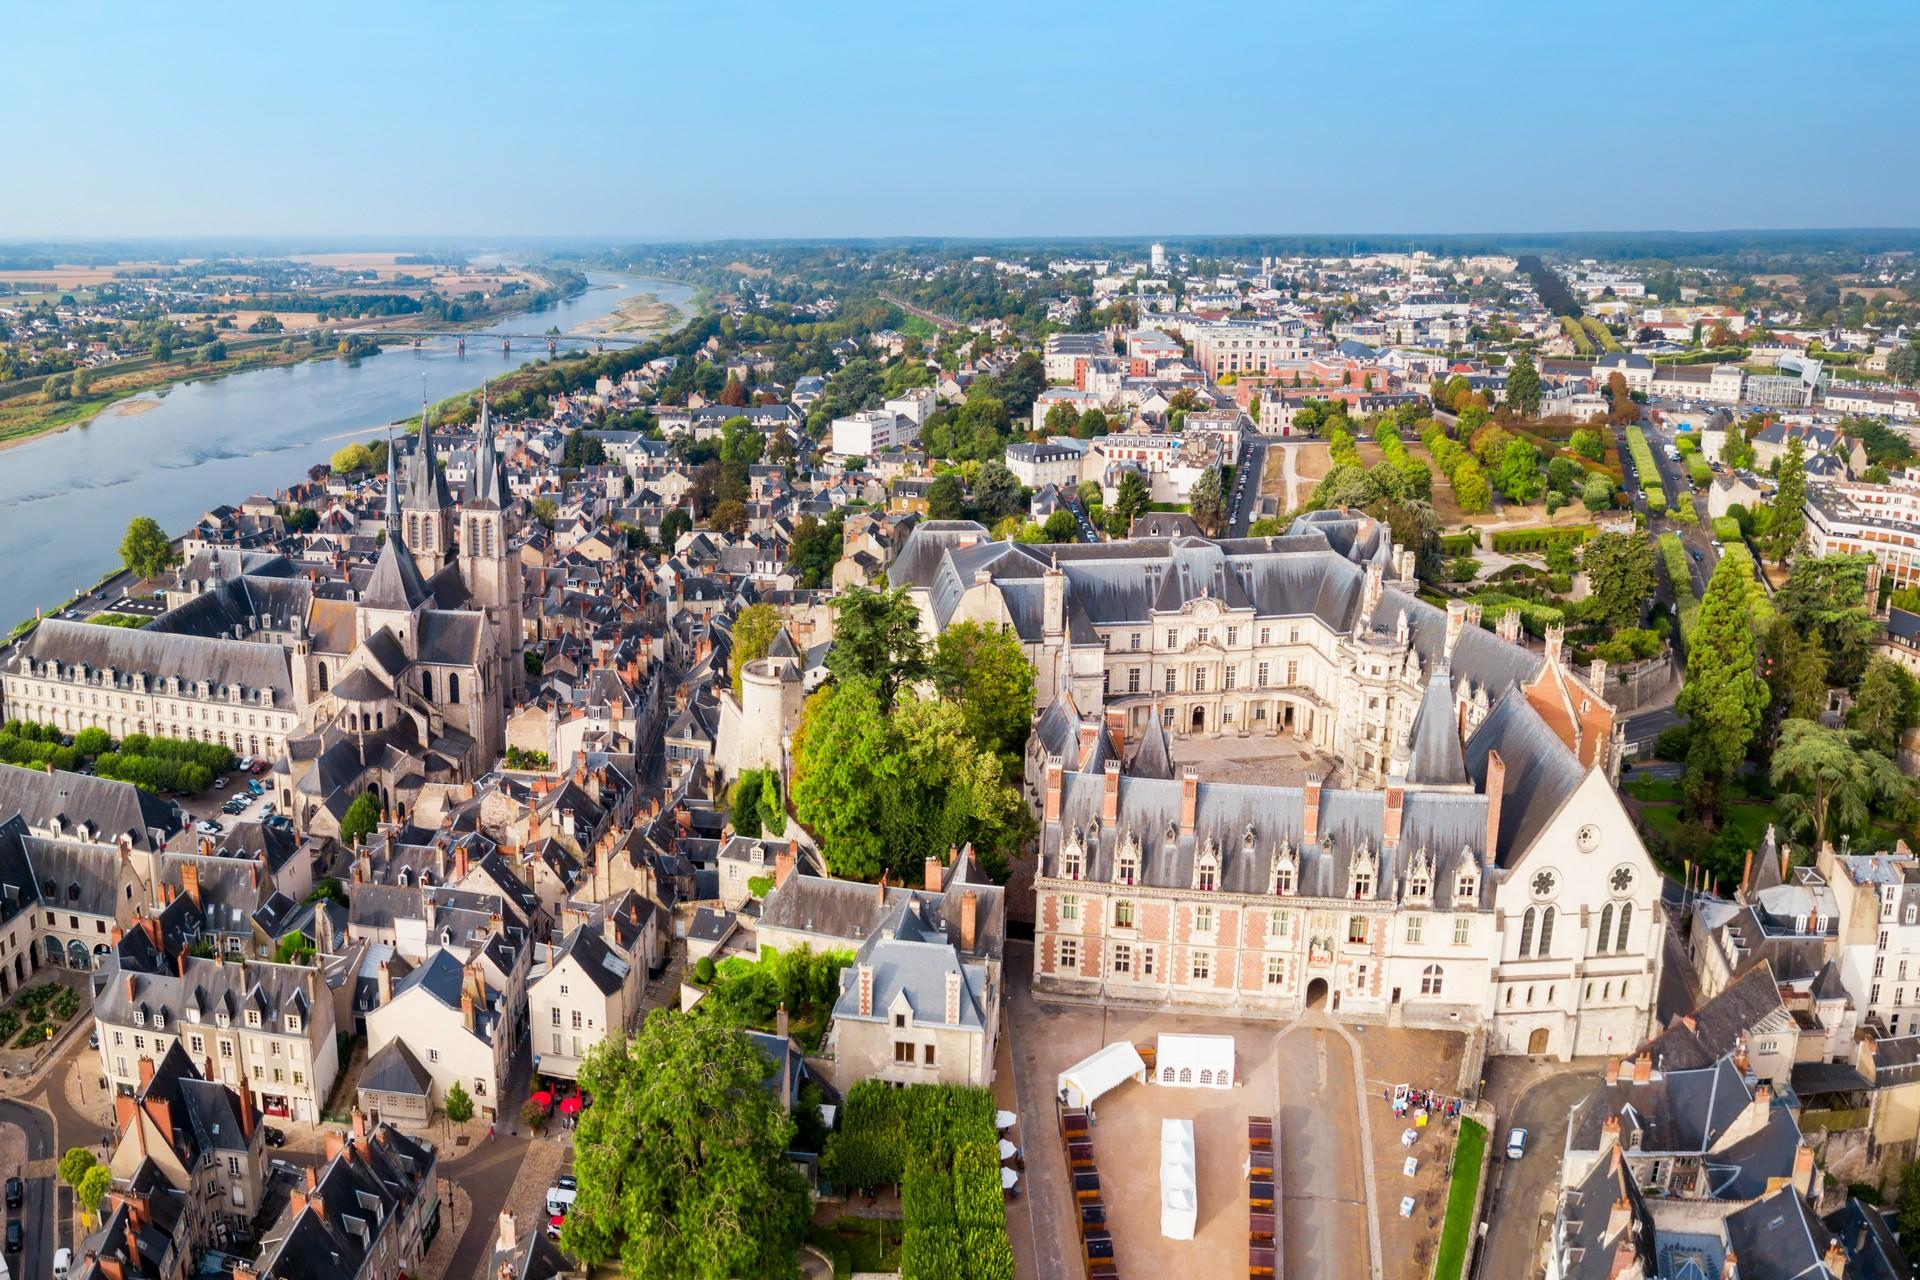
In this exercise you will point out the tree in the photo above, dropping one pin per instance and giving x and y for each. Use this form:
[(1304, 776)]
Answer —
[(681, 1161), (946, 500), (876, 638), (1596, 494), (1061, 526), (74, 1163), (1887, 705), (1523, 386), (1620, 405), (743, 803), (1825, 784), (1130, 499), (361, 819), (545, 511), (1589, 444), (351, 458), (816, 548), (1206, 503), (754, 630), (1062, 419), (1724, 695), (1796, 673), (1827, 596), (997, 492), (92, 1189), (672, 525), (1519, 473), (458, 1106), (1789, 505), (1092, 423), (145, 549), (1620, 577), (1471, 493), (730, 517), (984, 671)]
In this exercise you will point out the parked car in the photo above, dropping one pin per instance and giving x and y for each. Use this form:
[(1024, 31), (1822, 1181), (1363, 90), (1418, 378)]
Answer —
[(259, 766), (16, 1192), (276, 1137), (554, 1223), (1516, 1143), (254, 785), (62, 1263), (15, 1236), (209, 827), (245, 765)]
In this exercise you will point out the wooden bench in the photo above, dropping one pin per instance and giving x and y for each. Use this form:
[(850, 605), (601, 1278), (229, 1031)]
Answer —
[(1260, 1194), (1259, 1225), (1260, 1132), (1093, 1216), (1079, 1155), (1086, 1185), (1260, 1261)]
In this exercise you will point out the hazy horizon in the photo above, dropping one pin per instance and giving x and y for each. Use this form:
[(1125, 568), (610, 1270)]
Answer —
[(512, 123)]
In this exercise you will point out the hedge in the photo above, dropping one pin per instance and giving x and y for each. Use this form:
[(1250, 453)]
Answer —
[(1699, 472), (1674, 557), (1726, 528), (939, 1144), (1657, 501), (1539, 539), (1643, 459), (1459, 544)]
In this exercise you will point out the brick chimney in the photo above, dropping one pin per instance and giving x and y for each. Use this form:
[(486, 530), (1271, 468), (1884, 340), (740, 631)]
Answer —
[(1803, 1169), (460, 866), (1619, 1214), (126, 1114), (336, 1143), (953, 997), (864, 976), (1110, 798), (1189, 800), (1054, 771), (1117, 730), (784, 862), (969, 919), (881, 890), (190, 881), (246, 1105), (933, 875), (1456, 623), (1610, 1130), (466, 1008), (1395, 811), (359, 1124), (146, 1072), (1643, 1068), (1089, 738), (1730, 1266), (1310, 812), (1613, 1072), (386, 982), (1496, 793)]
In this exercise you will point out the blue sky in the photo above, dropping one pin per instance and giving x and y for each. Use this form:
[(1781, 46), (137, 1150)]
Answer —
[(980, 118)]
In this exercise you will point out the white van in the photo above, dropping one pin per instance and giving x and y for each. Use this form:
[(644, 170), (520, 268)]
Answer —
[(62, 1263), (559, 1201)]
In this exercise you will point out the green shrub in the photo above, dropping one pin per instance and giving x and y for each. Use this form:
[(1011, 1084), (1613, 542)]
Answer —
[(1699, 471), (1673, 557), (1523, 540), (703, 971), (1726, 528)]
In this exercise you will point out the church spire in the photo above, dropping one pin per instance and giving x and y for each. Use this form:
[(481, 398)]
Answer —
[(393, 488)]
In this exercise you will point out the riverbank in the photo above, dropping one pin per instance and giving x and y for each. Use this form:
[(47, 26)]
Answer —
[(644, 313)]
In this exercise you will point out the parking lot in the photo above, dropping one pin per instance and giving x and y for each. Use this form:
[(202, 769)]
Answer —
[(1332, 1120)]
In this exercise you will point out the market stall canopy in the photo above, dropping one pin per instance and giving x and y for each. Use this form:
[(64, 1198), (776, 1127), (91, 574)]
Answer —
[(1195, 1061), (1179, 1209), (1087, 1079)]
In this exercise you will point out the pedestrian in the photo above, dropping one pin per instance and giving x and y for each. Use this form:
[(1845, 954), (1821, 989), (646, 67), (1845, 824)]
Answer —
[(489, 1133)]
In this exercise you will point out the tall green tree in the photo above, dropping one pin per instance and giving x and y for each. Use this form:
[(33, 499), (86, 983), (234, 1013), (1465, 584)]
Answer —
[(754, 630), (1887, 705), (984, 671), (1827, 596), (1724, 696), (997, 492), (876, 638), (361, 819), (946, 499), (681, 1160), (145, 549), (1206, 503), (1130, 499), (459, 1104), (1523, 386), (1789, 504), (1796, 674), (1826, 785)]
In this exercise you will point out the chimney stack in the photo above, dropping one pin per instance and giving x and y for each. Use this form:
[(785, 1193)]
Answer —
[(1395, 812), (386, 982), (1836, 1258), (1456, 623), (466, 1008), (336, 1143), (360, 1124), (1496, 793), (1618, 1216), (882, 890), (1643, 1068), (1189, 800), (953, 997), (146, 1072), (1117, 730), (780, 1021), (1310, 812), (190, 879), (784, 862), (508, 1237), (1110, 797), (933, 875), (1054, 771), (969, 919), (864, 976)]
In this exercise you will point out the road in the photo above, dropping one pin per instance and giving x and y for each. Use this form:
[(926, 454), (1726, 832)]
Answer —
[(35, 1260), (1519, 1191), (1246, 475), (932, 318), (1322, 1188)]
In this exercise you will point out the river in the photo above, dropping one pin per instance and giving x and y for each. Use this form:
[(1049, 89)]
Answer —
[(65, 498)]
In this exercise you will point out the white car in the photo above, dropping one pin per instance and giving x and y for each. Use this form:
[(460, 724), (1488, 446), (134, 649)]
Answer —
[(1516, 1143)]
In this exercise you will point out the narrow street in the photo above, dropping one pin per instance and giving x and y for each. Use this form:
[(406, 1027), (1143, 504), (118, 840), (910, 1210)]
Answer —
[(1520, 1192)]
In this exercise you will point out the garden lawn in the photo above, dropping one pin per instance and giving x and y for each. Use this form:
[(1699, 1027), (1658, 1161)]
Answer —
[(1457, 1231)]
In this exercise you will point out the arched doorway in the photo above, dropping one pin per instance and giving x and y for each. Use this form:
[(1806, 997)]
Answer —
[(1317, 993), (1537, 1042), (77, 955), (1199, 719), (54, 951)]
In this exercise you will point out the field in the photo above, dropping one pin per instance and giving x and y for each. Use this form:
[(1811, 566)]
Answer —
[(1447, 512), (1460, 1194), (69, 277)]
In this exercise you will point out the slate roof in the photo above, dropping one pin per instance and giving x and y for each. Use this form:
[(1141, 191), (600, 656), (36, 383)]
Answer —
[(222, 663), (360, 1195), (1779, 1238), (112, 808), (1589, 1247), (1435, 756), (395, 1070), (1715, 1029), (1685, 1111), (397, 583)]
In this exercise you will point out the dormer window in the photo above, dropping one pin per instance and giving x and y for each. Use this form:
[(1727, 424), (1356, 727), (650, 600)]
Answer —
[(1204, 878), (159, 1021), (1360, 876), (1466, 885), (293, 1022), (1072, 861), (1420, 876), (1286, 870), (139, 1018), (253, 1017), (1206, 868), (1126, 867)]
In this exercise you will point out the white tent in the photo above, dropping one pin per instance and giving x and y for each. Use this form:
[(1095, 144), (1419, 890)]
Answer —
[(1086, 1080), (1195, 1061), (1178, 1207)]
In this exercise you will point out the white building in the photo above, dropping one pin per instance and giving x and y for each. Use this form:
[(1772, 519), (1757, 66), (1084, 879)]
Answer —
[(1055, 462), (863, 434)]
